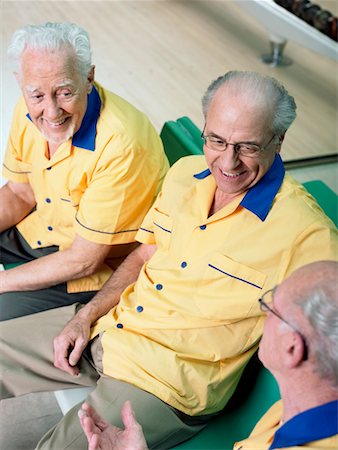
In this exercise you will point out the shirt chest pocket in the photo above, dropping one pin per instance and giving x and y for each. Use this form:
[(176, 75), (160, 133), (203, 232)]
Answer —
[(163, 226), (228, 291), (72, 198), (68, 206)]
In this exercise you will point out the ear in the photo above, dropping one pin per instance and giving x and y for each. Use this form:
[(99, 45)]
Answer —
[(280, 141), (90, 79), (17, 77), (294, 350)]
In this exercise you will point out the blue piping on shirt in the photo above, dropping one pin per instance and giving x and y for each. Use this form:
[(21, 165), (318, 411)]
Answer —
[(15, 171), (159, 226), (233, 276), (105, 232), (145, 229)]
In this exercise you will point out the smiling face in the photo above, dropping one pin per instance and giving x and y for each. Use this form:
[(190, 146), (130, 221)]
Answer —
[(54, 91), (231, 118)]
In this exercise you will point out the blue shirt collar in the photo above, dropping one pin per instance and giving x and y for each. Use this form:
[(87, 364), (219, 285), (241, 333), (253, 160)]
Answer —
[(260, 197), (86, 134), (314, 424)]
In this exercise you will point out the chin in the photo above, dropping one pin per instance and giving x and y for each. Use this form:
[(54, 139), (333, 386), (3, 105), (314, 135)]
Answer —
[(59, 139)]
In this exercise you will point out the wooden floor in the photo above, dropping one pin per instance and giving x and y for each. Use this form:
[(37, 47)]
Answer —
[(161, 56)]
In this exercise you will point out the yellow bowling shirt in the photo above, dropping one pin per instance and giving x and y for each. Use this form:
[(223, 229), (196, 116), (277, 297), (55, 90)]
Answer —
[(185, 330), (316, 428), (99, 184)]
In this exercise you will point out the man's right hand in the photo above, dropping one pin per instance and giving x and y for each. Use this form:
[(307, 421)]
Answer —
[(70, 343)]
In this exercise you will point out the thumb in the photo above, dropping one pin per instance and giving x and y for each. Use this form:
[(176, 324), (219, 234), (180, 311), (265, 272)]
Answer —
[(76, 353), (128, 415)]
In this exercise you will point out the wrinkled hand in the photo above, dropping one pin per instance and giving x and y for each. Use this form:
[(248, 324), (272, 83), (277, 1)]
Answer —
[(70, 343), (101, 435)]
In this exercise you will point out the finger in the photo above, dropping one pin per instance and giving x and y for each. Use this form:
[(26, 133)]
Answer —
[(61, 357), (128, 415), (94, 442), (77, 351)]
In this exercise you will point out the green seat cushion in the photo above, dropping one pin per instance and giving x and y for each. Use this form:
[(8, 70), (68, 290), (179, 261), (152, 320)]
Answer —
[(326, 198), (181, 138)]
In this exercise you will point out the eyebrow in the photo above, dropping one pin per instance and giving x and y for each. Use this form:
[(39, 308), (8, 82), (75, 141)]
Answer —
[(65, 83), (238, 142)]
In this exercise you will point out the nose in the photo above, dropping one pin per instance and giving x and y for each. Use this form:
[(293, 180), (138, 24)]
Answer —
[(229, 158), (52, 111)]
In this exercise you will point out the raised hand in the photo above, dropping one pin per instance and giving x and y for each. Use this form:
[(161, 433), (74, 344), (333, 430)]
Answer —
[(101, 435)]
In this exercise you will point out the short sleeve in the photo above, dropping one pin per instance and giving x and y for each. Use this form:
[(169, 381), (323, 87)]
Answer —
[(119, 194), (146, 233), (17, 164)]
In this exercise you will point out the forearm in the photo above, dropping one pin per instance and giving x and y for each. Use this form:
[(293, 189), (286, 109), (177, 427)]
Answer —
[(13, 208), (42, 273), (126, 274)]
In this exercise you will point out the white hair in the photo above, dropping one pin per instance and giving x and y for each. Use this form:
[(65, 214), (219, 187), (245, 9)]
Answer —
[(53, 36), (320, 307)]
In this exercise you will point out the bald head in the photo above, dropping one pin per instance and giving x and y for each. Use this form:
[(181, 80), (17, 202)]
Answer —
[(319, 275), (256, 91)]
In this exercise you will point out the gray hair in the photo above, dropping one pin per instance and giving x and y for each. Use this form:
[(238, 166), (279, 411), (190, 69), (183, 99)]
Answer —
[(320, 307), (53, 36), (261, 89)]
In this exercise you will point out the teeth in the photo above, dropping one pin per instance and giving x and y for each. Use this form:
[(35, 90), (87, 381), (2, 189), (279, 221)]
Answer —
[(231, 175), (55, 124)]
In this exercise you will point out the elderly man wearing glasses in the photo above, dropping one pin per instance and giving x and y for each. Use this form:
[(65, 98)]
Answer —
[(173, 329), (307, 377)]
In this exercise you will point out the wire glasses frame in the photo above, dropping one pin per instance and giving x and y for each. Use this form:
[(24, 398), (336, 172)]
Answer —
[(241, 148), (265, 307)]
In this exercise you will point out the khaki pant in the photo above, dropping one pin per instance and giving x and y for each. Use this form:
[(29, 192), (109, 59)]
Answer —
[(27, 366)]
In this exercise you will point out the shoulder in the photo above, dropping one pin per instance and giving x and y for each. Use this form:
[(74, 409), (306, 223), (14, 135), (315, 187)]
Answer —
[(118, 112), (125, 125), (298, 203)]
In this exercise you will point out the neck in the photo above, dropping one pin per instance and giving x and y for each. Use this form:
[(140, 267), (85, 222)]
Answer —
[(51, 149), (221, 200), (299, 396)]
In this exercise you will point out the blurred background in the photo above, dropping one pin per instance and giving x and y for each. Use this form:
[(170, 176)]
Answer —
[(162, 55)]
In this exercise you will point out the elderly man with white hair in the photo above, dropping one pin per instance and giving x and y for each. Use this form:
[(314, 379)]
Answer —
[(83, 168)]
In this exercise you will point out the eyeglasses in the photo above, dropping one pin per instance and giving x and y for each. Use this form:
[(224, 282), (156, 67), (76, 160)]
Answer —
[(218, 144), (266, 306)]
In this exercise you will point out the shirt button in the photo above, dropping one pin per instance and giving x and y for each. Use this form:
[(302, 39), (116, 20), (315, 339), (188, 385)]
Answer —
[(139, 309), (39, 242), (50, 228), (119, 325), (48, 200), (203, 227), (183, 264), (159, 287)]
